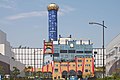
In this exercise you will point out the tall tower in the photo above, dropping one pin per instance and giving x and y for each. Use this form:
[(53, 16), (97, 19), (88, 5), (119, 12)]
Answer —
[(52, 13)]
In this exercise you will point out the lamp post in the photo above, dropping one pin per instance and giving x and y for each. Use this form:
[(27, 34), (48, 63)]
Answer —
[(103, 26)]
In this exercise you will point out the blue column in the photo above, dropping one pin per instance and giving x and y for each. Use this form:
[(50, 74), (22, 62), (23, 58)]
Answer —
[(52, 24)]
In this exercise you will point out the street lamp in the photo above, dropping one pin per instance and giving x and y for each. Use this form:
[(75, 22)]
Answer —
[(103, 26)]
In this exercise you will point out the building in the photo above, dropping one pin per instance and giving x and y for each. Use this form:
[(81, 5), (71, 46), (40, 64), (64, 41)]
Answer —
[(30, 57), (67, 57), (7, 61), (113, 56), (64, 57), (98, 56)]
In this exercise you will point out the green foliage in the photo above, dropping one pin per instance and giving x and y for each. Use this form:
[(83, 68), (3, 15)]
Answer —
[(109, 78), (15, 72), (1, 70)]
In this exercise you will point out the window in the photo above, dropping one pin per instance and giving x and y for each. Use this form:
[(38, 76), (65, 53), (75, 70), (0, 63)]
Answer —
[(88, 51), (95, 52), (90, 60), (71, 51), (63, 51), (56, 54), (79, 51), (87, 65), (79, 65), (73, 65), (79, 60), (86, 70), (56, 65), (54, 77), (56, 70), (58, 77), (86, 60)]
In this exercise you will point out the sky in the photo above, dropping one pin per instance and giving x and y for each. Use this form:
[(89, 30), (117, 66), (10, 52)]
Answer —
[(26, 21)]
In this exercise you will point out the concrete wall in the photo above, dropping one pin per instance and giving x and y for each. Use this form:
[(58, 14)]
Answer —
[(5, 48), (6, 53), (2, 37), (12, 63), (112, 53), (2, 49)]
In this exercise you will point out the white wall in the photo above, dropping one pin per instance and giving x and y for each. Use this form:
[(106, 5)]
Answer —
[(12, 63), (2, 37), (8, 51), (113, 50), (5, 48), (7, 54), (16, 64), (2, 49)]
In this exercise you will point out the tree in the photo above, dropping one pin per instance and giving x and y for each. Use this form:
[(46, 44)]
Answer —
[(1, 70), (15, 72)]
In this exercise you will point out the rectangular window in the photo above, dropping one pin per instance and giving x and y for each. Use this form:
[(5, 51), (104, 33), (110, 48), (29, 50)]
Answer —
[(79, 60), (58, 77), (86, 70), (86, 60), (79, 51), (71, 51), (63, 51), (56, 54), (88, 51), (56, 70)]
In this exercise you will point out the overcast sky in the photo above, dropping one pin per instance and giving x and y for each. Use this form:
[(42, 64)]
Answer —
[(26, 21)]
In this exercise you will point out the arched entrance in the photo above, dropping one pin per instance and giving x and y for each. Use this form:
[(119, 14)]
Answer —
[(72, 73), (64, 74), (79, 74)]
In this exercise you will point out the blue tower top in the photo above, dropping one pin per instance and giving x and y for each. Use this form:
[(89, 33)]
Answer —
[(52, 14)]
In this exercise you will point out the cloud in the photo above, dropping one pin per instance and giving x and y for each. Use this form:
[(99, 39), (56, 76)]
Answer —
[(27, 15), (7, 4), (61, 12), (66, 9)]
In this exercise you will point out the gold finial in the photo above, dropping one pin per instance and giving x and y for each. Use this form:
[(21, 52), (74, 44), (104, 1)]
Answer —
[(53, 6)]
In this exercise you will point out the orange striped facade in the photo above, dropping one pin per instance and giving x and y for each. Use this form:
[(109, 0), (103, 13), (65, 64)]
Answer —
[(56, 68)]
